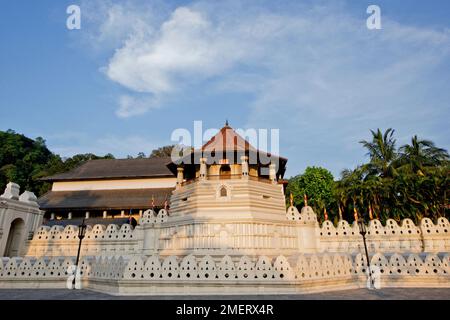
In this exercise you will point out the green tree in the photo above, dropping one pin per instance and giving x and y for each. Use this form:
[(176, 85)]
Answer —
[(25, 161), (162, 152), (21, 159), (317, 184), (419, 154), (411, 182)]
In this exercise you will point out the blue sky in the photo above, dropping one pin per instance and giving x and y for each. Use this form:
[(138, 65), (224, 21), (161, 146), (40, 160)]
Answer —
[(137, 70)]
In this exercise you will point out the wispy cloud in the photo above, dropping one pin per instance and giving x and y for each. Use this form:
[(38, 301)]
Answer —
[(312, 69), (131, 105), (188, 47)]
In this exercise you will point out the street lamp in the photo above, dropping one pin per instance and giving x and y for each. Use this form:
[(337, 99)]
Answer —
[(81, 234), (363, 231)]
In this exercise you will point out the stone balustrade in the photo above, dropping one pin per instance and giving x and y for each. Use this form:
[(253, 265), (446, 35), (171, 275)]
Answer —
[(99, 239), (173, 255), (242, 237), (393, 237), (270, 274)]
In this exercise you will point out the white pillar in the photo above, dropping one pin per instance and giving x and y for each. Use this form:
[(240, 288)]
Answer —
[(87, 215), (272, 173), (52, 216), (69, 215), (140, 214), (122, 213), (244, 164), (203, 169), (3, 209), (105, 214), (180, 176)]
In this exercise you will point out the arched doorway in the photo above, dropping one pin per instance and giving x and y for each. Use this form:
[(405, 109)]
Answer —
[(225, 171), (15, 238)]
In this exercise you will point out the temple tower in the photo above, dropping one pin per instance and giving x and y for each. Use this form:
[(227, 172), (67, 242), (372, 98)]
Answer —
[(229, 180), (229, 199)]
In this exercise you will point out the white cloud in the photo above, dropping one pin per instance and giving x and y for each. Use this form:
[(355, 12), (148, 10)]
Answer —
[(110, 24), (132, 106), (188, 47), (312, 70), (323, 46)]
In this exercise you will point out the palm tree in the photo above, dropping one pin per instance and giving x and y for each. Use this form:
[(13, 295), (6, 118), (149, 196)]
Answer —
[(382, 152), (340, 196), (351, 184), (411, 183), (372, 190), (420, 154)]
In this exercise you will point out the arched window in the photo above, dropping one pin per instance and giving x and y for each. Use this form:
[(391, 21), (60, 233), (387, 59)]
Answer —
[(223, 191), (225, 171)]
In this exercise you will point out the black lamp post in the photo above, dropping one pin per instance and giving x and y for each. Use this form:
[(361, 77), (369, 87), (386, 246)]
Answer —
[(81, 234), (363, 231)]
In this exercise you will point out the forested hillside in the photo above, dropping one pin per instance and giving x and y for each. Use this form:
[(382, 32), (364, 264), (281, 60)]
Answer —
[(25, 161)]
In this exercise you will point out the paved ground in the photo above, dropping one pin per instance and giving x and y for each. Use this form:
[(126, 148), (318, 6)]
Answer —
[(360, 294)]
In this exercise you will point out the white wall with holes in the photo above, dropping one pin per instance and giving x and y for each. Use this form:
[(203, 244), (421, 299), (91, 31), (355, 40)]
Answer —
[(393, 237), (306, 272), (158, 234), (167, 255)]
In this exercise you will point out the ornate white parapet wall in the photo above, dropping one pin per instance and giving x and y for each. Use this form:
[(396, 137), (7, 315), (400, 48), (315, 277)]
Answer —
[(19, 218), (393, 237), (167, 235), (227, 275), (307, 228), (172, 255), (43, 272), (406, 237), (159, 233), (100, 239)]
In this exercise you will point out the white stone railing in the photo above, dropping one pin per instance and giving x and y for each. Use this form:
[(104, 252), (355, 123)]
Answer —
[(393, 237), (111, 232), (99, 239), (313, 270), (406, 237), (344, 238), (304, 267), (306, 216), (150, 217), (43, 268)]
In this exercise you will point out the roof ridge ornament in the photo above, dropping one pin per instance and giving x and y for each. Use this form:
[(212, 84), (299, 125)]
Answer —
[(226, 123)]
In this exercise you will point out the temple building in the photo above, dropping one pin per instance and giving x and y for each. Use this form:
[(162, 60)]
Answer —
[(228, 176), (213, 221), (122, 188), (108, 188)]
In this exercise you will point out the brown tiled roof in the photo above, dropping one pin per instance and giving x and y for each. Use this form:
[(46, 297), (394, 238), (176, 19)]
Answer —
[(227, 143), (227, 140), (116, 168), (105, 199)]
